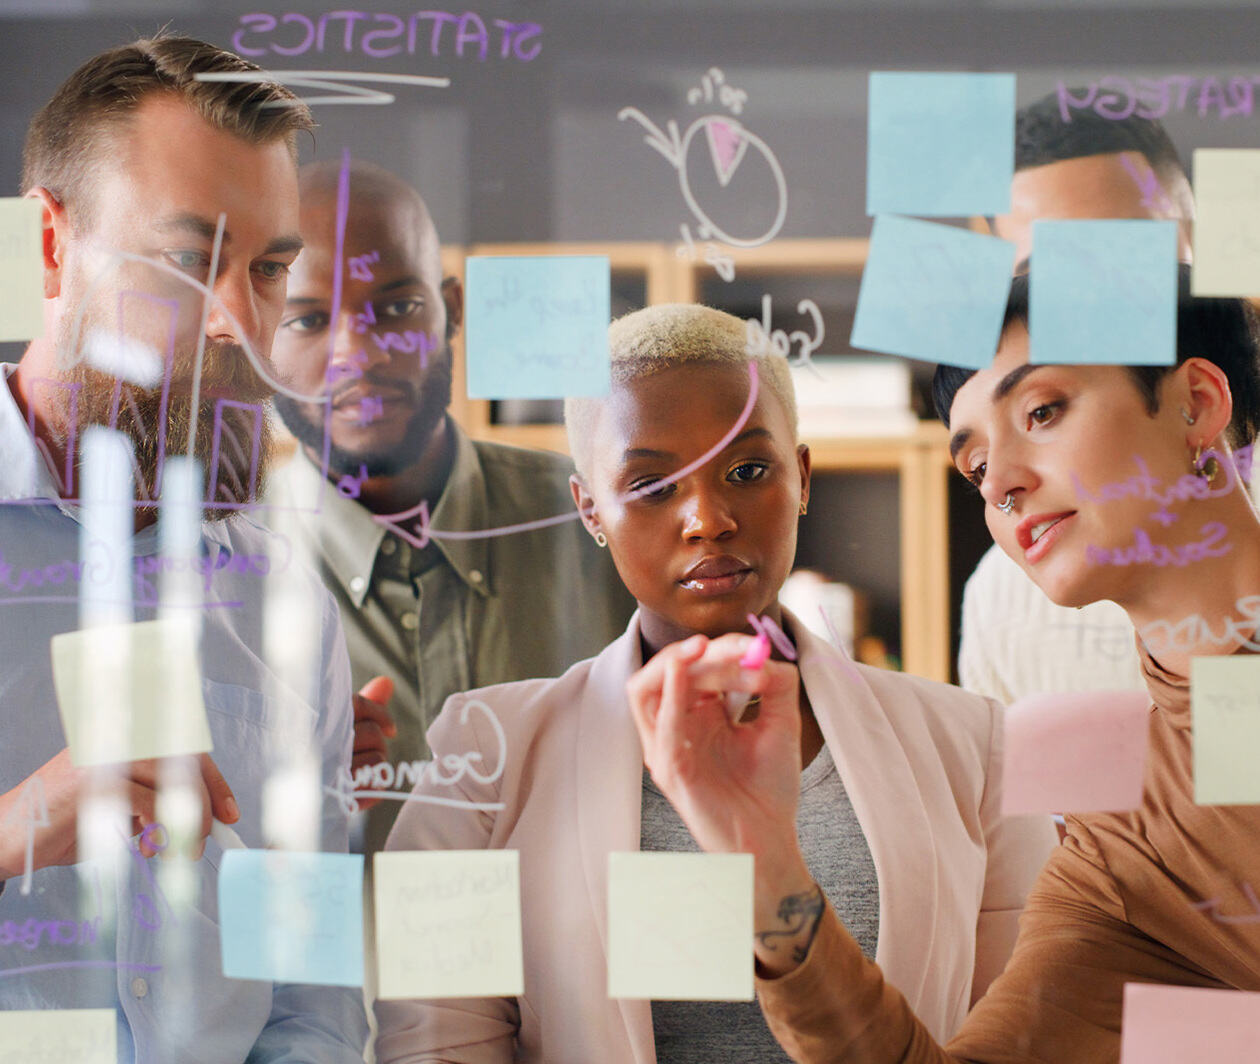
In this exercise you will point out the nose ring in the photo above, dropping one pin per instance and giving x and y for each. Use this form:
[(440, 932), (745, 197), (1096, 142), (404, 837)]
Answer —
[(1007, 504)]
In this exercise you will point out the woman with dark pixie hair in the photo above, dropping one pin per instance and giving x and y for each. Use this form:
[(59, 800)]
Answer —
[(697, 494), (1160, 895)]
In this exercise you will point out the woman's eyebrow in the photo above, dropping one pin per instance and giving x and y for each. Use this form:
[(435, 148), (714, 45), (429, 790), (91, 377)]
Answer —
[(749, 434), (1008, 383), (1003, 388), (631, 453), (958, 441)]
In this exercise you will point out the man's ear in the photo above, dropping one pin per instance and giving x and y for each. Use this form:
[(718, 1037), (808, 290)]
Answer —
[(55, 226), (584, 502), (453, 297)]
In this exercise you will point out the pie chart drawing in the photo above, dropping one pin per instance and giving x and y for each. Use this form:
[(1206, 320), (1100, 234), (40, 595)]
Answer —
[(729, 143)]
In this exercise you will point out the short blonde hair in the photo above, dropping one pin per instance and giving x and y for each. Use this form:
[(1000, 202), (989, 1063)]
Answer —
[(668, 335)]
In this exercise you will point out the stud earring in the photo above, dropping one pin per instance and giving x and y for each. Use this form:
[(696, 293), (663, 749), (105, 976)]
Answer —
[(601, 540), (1007, 504), (1185, 414)]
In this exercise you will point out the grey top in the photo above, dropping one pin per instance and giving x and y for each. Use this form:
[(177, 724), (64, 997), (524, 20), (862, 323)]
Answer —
[(838, 857)]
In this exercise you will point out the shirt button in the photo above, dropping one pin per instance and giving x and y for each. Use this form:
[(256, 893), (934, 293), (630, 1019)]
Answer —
[(388, 547), (475, 576), (410, 621), (357, 584), (139, 987)]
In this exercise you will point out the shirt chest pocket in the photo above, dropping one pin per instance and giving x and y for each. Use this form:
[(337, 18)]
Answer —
[(256, 734)]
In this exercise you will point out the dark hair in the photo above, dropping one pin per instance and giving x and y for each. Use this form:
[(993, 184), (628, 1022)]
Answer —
[(1042, 136), (1225, 332), (69, 131)]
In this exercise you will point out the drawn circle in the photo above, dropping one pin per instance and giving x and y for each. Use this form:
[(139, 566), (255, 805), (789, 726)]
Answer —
[(754, 141)]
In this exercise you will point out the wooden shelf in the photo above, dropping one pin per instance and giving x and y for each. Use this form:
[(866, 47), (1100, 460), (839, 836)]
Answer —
[(808, 257)]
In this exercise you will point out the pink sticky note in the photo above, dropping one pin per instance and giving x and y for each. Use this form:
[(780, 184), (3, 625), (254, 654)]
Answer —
[(1176, 1024), (1077, 752)]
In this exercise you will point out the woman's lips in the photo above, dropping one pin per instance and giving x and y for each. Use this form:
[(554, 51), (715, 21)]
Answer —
[(717, 575), (1035, 550)]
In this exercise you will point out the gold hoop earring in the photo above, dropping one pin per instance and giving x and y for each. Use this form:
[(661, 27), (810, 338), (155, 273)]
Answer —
[(601, 540), (1207, 468), (804, 507)]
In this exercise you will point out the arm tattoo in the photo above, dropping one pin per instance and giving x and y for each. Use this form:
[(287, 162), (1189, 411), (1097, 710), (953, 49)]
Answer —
[(799, 912)]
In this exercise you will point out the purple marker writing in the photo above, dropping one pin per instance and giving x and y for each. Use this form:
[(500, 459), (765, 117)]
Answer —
[(380, 35)]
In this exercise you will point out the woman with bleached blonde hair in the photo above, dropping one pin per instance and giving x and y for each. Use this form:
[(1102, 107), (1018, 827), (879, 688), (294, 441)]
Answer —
[(691, 473)]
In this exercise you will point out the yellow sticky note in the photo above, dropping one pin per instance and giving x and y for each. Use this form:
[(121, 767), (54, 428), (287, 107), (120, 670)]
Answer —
[(130, 691), (21, 269), (54, 1036), (1225, 711), (448, 923), (1227, 223), (1176, 1024), (680, 926)]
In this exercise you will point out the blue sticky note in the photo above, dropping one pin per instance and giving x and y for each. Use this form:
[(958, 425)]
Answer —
[(1104, 291), (292, 917), (940, 144), (537, 326), (933, 292)]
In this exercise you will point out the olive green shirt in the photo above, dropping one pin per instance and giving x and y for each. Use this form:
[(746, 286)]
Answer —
[(458, 613)]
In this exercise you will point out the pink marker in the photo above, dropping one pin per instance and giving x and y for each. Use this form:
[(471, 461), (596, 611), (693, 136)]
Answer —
[(753, 658), (757, 654)]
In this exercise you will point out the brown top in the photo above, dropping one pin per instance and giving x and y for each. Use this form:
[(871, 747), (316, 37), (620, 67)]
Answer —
[(1159, 895)]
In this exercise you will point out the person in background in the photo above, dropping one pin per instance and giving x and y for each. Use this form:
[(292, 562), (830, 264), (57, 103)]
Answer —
[(1015, 641), (435, 615), (1158, 895), (135, 164), (699, 507)]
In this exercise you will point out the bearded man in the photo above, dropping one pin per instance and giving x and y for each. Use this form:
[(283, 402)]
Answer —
[(169, 214)]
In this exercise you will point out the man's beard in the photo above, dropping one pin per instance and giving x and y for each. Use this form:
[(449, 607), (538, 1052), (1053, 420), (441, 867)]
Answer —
[(429, 405), (243, 435)]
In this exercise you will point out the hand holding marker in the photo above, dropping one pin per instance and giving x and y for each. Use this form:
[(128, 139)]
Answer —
[(754, 658)]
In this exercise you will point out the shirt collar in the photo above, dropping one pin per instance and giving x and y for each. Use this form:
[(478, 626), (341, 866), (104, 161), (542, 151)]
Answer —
[(350, 537), (1170, 691), (24, 471)]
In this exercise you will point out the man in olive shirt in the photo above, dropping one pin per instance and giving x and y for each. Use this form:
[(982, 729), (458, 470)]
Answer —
[(448, 614)]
